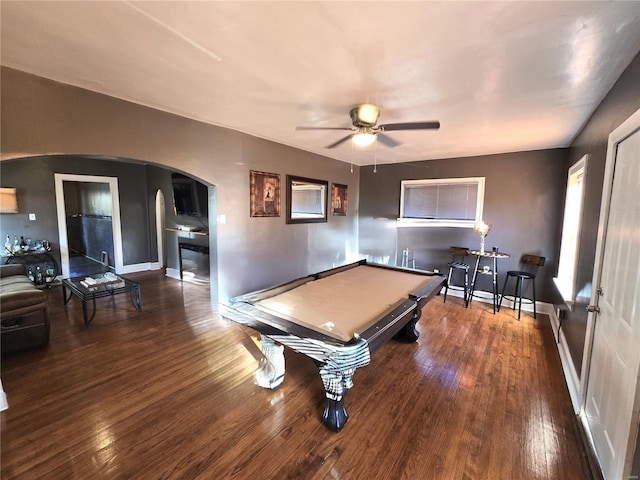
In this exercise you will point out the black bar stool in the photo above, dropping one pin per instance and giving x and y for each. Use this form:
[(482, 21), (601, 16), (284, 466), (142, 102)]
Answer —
[(458, 255), (530, 262)]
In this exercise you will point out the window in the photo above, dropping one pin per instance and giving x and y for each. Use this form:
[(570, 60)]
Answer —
[(571, 226), (449, 202)]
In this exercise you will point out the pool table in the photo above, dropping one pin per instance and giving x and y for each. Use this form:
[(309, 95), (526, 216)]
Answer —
[(337, 317)]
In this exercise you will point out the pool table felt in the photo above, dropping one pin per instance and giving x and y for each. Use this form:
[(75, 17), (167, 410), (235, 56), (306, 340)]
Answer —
[(346, 303)]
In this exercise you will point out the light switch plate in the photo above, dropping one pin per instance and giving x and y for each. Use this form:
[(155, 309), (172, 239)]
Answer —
[(32, 216)]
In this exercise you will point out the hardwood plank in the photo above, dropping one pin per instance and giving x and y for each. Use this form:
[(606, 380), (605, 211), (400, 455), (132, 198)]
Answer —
[(169, 393)]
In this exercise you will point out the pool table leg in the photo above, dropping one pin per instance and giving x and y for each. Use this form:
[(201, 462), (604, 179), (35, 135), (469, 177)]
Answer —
[(336, 385), (337, 376), (408, 333), (270, 373)]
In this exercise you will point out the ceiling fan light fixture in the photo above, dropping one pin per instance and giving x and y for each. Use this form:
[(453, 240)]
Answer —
[(368, 113), (365, 130), (363, 139)]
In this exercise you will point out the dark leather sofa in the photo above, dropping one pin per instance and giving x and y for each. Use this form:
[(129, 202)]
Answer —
[(24, 313)]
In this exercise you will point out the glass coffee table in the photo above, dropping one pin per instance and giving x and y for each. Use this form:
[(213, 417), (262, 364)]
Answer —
[(98, 286)]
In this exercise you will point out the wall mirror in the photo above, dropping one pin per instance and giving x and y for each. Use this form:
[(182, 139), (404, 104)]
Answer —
[(306, 200)]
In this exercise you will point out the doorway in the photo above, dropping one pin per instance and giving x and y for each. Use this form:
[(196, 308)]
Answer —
[(611, 400), (109, 199), (161, 234)]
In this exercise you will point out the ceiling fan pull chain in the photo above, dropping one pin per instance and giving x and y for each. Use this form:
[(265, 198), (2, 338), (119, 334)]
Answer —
[(375, 158), (351, 157)]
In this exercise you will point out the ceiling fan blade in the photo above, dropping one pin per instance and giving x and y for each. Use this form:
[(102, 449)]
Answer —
[(410, 126), (342, 140), (387, 140), (324, 128)]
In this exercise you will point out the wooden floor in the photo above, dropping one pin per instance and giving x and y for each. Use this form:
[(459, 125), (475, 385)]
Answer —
[(168, 393)]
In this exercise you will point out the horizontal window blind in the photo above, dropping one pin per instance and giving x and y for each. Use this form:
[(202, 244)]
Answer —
[(443, 201)]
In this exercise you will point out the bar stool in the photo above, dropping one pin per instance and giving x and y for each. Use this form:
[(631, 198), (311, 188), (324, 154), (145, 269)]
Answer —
[(530, 262), (458, 255)]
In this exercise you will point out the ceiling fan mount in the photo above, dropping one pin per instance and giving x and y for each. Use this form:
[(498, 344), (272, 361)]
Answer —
[(365, 115), (365, 130)]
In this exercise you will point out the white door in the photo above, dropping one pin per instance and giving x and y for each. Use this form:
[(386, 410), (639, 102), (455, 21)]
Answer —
[(612, 397)]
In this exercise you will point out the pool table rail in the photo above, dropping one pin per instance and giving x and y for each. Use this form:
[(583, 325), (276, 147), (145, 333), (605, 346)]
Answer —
[(266, 323), (259, 295)]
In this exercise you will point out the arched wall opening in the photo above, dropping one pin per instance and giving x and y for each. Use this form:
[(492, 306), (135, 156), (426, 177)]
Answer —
[(136, 185)]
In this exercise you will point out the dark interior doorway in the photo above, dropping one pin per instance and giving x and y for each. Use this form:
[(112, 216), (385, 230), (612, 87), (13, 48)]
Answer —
[(89, 227)]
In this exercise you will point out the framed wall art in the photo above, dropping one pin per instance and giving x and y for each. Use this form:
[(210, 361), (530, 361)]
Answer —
[(338, 199), (265, 194)]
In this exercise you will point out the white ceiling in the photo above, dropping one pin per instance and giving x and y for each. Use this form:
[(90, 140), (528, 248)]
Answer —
[(499, 76)]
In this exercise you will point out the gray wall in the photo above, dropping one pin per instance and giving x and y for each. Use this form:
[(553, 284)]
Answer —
[(34, 179), (35, 194), (524, 193), (41, 117), (620, 103), (622, 100)]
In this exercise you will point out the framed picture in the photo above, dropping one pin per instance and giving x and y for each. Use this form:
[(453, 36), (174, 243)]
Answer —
[(265, 194), (338, 199)]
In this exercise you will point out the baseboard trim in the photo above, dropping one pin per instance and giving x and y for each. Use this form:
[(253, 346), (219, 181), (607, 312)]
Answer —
[(487, 297), (3, 398), (140, 267), (173, 273), (570, 373), (589, 447)]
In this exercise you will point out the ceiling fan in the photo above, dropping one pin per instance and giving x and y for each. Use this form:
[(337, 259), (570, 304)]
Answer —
[(364, 130)]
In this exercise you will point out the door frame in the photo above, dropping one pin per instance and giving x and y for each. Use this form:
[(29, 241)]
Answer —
[(160, 228), (59, 178), (627, 128)]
